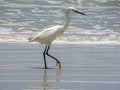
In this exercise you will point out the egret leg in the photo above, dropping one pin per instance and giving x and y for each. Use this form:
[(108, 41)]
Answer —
[(57, 61), (45, 57)]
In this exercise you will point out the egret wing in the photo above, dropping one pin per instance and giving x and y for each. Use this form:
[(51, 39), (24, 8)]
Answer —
[(47, 35)]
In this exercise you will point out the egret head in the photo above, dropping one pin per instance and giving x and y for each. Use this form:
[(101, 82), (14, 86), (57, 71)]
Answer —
[(72, 9)]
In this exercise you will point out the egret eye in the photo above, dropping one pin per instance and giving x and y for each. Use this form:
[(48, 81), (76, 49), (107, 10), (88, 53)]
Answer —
[(74, 10)]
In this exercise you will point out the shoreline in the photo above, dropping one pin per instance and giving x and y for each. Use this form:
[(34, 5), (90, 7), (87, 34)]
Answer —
[(64, 42)]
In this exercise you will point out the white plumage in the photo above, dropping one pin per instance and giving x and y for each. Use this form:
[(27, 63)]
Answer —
[(50, 34)]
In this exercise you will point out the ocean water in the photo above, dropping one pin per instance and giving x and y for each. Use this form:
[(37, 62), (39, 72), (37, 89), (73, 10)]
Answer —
[(21, 18)]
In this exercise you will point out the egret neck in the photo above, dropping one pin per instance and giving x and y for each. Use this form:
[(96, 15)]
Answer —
[(67, 20)]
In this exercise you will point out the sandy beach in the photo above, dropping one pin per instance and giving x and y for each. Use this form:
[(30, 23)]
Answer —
[(84, 67)]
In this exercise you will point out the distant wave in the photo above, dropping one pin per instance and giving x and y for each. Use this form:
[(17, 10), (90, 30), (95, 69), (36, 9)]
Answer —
[(60, 40), (54, 2)]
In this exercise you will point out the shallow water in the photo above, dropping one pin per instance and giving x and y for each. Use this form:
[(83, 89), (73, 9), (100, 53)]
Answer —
[(21, 18), (84, 67)]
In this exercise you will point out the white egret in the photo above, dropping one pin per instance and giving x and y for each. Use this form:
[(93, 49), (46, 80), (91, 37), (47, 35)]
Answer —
[(50, 34)]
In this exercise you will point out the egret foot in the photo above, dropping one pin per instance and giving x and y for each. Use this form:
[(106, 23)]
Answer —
[(58, 64)]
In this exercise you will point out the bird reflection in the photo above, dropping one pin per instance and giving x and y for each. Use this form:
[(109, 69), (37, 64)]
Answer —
[(47, 79), (49, 83)]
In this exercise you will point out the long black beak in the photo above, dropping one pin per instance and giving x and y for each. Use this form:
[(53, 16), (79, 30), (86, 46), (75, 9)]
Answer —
[(79, 12)]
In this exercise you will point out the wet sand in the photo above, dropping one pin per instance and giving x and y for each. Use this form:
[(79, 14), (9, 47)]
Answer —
[(84, 67)]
